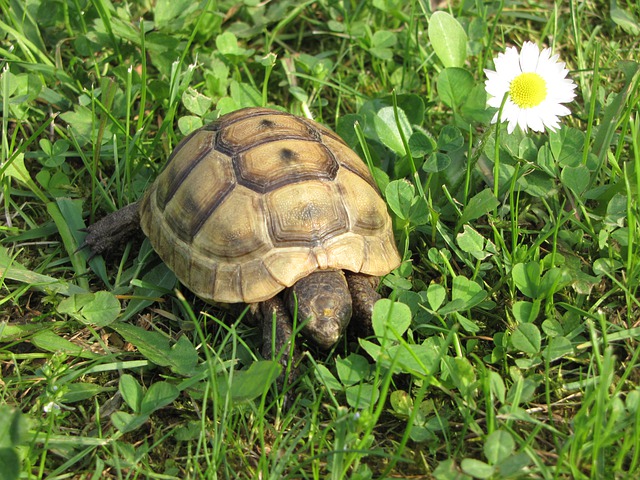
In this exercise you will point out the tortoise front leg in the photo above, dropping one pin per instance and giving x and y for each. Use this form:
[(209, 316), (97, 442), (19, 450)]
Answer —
[(113, 230), (277, 335), (364, 296)]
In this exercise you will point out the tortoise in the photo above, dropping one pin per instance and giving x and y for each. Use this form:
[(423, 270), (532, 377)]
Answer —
[(269, 209)]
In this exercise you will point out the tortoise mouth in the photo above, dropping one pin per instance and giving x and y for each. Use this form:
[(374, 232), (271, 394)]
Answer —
[(325, 335)]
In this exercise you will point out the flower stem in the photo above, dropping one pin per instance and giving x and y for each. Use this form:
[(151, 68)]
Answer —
[(496, 159)]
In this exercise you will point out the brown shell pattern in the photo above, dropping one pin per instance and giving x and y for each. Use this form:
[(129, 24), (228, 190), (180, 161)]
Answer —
[(251, 203)]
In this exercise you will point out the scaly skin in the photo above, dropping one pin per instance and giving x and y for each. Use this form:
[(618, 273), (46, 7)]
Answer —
[(113, 230)]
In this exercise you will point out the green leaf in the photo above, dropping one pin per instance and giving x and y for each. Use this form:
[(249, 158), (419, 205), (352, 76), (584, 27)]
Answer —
[(472, 242), (401, 402), (624, 19), (362, 395), (79, 391), (156, 282), (467, 290), (436, 162), (613, 113), (389, 315), (527, 278), (13, 427), (450, 139), (81, 124), (386, 128), (251, 383), (526, 312), (498, 446), (102, 310), (412, 105), (327, 378), (49, 341), (465, 294), (153, 345), (244, 95), (462, 373), (421, 144), (184, 356), (436, 294), (540, 185), (566, 146), (382, 44), (606, 266), (419, 211), (9, 464), (352, 369), (479, 205), (475, 108), (526, 338), (448, 470), (414, 359), (448, 39), (189, 123), (558, 347), (552, 328), (468, 325), (195, 102), (399, 195), (576, 178), (554, 280), (496, 384), (616, 215), (454, 85), (227, 45), (167, 10), (15, 168), (131, 392), (159, 395), (67, 215), (513, 466), (127, 422), (476, 468)]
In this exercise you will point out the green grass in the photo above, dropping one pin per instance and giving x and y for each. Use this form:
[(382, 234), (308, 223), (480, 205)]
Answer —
[(509, 346)]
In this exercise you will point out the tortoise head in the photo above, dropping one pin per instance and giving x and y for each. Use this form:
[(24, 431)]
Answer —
[(323, 304)]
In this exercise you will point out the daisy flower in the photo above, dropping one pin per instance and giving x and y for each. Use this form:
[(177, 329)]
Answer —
[(536, 87)]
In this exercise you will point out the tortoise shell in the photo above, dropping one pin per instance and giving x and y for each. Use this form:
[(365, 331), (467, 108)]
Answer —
[(258, 199)]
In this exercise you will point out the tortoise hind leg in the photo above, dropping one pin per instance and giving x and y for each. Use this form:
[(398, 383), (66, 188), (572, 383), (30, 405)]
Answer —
[(113, 230)]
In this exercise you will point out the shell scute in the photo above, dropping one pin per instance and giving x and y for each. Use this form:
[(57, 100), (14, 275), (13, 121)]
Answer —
[(271, 165)]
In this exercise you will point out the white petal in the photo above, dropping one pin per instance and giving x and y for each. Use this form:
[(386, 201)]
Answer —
[(522, 121), (497, 89), (543, 58), (510, 110), (494, 102), (507, 64), (529, 57), (535, 122)]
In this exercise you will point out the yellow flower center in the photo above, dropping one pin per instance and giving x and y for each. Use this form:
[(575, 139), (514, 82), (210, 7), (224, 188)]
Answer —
[(528, 90)]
